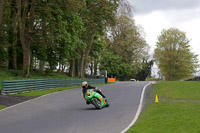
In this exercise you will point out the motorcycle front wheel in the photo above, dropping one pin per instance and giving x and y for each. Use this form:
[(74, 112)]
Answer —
[(97, 103)]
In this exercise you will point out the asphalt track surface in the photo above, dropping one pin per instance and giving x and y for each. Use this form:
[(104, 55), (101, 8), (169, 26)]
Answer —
[(67, 112)]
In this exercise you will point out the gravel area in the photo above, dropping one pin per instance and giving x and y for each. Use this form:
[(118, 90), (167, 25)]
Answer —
[(12, 100)]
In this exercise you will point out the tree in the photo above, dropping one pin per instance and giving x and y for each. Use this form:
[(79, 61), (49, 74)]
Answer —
[(1, 14), (2, 52), (144, 70), (97, 15), (12, 33), (115, 66), (26, 15), (126, 39), (58, 30), (173, 54), (68, 34), (111, 63), (125, 9), (96, 54)]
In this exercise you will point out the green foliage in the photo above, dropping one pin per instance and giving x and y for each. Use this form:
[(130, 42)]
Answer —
[(111, 63), (99, 14), (125, 71), (64, 29), (173, 55), (144, 70), (115, 67), (125, 40), (96, 16), (3, 58), (40, 52), (16, 75), (97, 47), (1, 107), (70, 34)]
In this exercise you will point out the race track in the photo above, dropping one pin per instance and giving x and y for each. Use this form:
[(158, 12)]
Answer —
[(67, 112)]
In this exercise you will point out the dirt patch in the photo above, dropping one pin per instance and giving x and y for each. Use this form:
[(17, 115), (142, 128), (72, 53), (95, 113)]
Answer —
[(12, 100)]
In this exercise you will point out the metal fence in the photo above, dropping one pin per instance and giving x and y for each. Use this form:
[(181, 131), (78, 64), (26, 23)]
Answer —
[(18, 86)]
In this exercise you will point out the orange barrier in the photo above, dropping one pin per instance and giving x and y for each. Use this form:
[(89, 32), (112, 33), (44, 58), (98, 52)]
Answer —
[(111, 79)]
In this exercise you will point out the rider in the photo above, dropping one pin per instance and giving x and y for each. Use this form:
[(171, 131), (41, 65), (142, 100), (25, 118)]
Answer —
[(86, 86)]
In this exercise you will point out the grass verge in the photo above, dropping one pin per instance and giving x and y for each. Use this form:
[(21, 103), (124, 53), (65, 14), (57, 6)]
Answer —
[(153, 79), (38, 93), (1, 107), (177, 111)]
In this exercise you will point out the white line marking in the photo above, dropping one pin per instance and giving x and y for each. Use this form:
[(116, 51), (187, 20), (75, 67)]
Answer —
[(138, 110)]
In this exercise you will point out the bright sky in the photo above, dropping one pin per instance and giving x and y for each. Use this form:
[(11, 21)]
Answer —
[(156, 15)]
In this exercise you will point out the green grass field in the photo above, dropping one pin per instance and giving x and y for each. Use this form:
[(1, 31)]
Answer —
[(178, 109), (177, 90), (1, 107)]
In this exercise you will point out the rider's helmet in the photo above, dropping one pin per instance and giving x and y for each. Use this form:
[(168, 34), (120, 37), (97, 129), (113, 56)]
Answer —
[(84, 84)]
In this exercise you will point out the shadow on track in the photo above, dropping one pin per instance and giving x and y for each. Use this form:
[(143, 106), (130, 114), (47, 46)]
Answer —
[(90, 109)]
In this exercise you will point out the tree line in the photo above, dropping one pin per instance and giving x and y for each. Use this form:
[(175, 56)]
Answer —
[(72, 37)]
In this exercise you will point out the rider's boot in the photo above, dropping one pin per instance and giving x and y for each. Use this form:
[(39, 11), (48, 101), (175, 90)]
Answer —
[(107, 105)]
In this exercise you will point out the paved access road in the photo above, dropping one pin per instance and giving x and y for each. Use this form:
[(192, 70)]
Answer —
[(67, 112)]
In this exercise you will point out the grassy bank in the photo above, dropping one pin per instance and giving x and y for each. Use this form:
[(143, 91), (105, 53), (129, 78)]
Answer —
[(16, 75), (177, 111)]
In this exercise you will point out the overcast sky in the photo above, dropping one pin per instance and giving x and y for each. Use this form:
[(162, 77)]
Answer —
[(156, 15)]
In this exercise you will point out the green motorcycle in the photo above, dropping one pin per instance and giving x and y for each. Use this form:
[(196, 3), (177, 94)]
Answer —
[(96, 99)]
